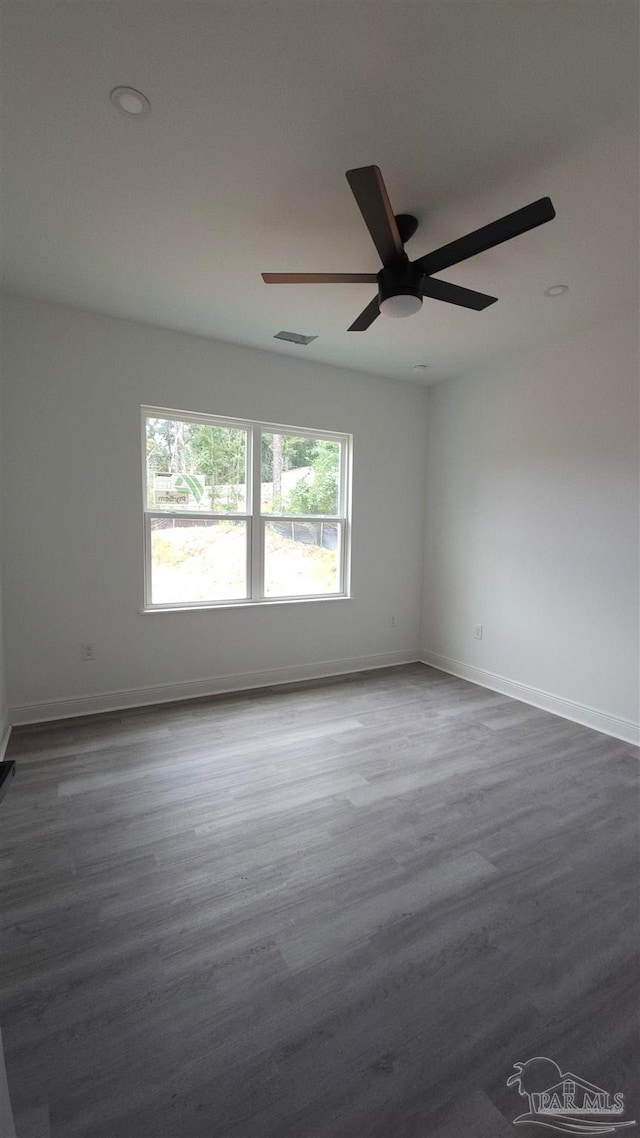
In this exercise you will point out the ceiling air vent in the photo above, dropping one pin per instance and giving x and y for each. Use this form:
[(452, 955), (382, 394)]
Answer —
[(294, 337)]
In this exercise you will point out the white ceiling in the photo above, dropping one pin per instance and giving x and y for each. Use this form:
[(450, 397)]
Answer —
[(260, 106)]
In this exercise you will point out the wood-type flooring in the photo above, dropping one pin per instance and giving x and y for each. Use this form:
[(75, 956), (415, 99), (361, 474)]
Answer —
[(341, 909)]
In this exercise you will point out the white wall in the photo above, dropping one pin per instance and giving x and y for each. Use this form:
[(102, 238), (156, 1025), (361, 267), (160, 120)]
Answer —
[(4, 711), (532, 519), (532, 524), (7, 1129), (4, 715), (74, 383)]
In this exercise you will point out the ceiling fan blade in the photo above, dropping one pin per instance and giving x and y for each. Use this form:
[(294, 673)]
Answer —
[(319, 278), (454, 294), (371, 195), (366, 317), (494, 234)]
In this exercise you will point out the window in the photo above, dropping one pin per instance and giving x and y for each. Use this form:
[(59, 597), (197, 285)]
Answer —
[(236, 511)]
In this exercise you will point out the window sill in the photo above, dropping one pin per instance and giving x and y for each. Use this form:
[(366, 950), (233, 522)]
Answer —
[(244, 604)]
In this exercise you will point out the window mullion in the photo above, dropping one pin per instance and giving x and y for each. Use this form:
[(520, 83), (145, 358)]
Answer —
[(256, 541)]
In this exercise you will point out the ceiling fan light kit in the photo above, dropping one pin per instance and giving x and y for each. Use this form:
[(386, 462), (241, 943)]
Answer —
[(399, 292), (403, 283), (400, 303)]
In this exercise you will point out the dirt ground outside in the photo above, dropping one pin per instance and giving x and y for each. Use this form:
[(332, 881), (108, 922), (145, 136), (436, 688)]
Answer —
[(208, 563)]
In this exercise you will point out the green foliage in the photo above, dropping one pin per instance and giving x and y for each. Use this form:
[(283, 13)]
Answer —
[(296, 452), (219, 454), (317, 493)]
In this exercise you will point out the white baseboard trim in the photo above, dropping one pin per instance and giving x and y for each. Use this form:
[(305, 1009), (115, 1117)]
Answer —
[(193, 689), (614, 725), (4, 741)]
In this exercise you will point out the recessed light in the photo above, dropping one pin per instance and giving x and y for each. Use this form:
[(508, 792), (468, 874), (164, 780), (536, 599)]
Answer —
[(556, 290), (130, 102), (420, 370)]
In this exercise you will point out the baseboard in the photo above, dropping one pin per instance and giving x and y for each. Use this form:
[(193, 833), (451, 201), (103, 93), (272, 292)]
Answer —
[(93, 704), (4, 741), (193, 689), (614, 725)]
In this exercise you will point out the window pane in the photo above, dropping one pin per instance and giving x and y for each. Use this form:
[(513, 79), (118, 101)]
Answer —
[(301, 558), (196, 466), (197, 559), (300, 475)]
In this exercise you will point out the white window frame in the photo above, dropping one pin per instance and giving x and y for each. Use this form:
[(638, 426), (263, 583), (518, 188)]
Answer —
[(253, 517)]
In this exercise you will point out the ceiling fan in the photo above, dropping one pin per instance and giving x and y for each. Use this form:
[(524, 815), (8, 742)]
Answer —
[(403, 283)]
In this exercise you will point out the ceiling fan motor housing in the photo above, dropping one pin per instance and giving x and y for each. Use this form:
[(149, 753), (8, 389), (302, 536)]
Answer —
[(400, 280)]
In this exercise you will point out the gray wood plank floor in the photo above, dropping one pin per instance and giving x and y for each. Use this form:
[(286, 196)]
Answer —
[(335, 910)]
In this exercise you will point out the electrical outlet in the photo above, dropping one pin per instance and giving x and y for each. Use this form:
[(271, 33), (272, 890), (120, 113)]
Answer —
[(87, 651), (392, 621), (477, 632)]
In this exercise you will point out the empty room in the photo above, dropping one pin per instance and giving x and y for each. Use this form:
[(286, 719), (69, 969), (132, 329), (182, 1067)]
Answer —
[(319, 593)]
